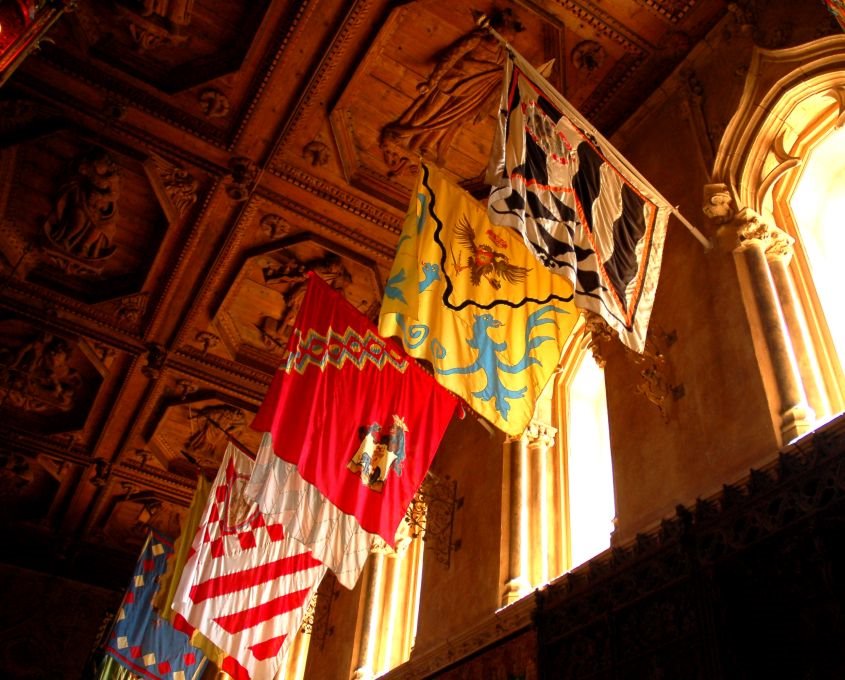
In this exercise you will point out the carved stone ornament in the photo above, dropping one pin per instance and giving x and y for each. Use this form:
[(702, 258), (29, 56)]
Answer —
[(317, 152), (184, 388), (743, 11), (180, 185), (158, 23), (243, 173), (130, 309), (207, 340), (287, 272), (398, 163), (274, 226), (148, 36), (142, 456), (172, 12), (103, 353), (15, 474), (209, 425), (539, 434), (752, 227), (156, 356), (597, 333), (213, 103), (81, 227), (588, 56), (718, 204), (657, 385), (102, 470)]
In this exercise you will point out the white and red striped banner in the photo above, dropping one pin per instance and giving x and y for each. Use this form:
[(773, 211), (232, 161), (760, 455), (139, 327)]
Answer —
[(245, 587), (332, 536)]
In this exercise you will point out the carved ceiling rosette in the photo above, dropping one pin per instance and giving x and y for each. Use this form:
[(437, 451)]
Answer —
[(254, 319)]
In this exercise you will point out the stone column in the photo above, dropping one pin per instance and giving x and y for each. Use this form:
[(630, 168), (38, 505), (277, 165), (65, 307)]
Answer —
[(539, 441), (517, 584), (779, 253), (367, 641), (756, 238)]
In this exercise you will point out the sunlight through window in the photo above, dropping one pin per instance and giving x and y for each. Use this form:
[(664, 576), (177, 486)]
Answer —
[(818, 204), (590, 473)]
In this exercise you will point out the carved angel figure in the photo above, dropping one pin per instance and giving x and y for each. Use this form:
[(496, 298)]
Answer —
[(468, 75), (84, 218)]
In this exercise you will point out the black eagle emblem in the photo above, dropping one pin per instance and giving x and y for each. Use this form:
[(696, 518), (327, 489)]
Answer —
[(484, 261)]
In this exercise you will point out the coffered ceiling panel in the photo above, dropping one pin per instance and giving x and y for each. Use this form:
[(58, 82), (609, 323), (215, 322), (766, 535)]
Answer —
[(169, 171)]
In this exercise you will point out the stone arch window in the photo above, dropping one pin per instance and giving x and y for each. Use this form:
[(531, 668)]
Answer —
[(559, 476), (771, 178)]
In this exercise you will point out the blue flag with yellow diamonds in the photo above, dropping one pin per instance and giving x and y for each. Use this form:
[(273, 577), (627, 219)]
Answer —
[(469, 298)]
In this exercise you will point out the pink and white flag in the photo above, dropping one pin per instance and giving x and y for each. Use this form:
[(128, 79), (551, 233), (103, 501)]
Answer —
[(244, 586)]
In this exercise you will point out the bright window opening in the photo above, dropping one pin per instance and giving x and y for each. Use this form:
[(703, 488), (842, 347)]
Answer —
[(589, 468), (818, 204)]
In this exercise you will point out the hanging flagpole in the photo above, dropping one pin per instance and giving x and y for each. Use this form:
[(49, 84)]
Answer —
[(570, 111)]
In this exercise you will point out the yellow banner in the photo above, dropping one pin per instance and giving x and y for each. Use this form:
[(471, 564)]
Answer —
[(169, 580), (470, 298)]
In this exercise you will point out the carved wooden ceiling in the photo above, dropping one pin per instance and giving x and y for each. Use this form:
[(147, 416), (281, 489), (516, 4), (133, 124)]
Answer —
[(169, 169)]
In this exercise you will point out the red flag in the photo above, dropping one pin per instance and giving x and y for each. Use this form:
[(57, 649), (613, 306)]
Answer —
[(359, 418), (245, 586)]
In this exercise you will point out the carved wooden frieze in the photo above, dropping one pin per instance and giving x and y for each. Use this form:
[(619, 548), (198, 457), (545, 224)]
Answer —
[(255, 318), (177, 187)]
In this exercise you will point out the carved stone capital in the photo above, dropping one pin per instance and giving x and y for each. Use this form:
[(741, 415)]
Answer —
[(752, 229), (539, 434)]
